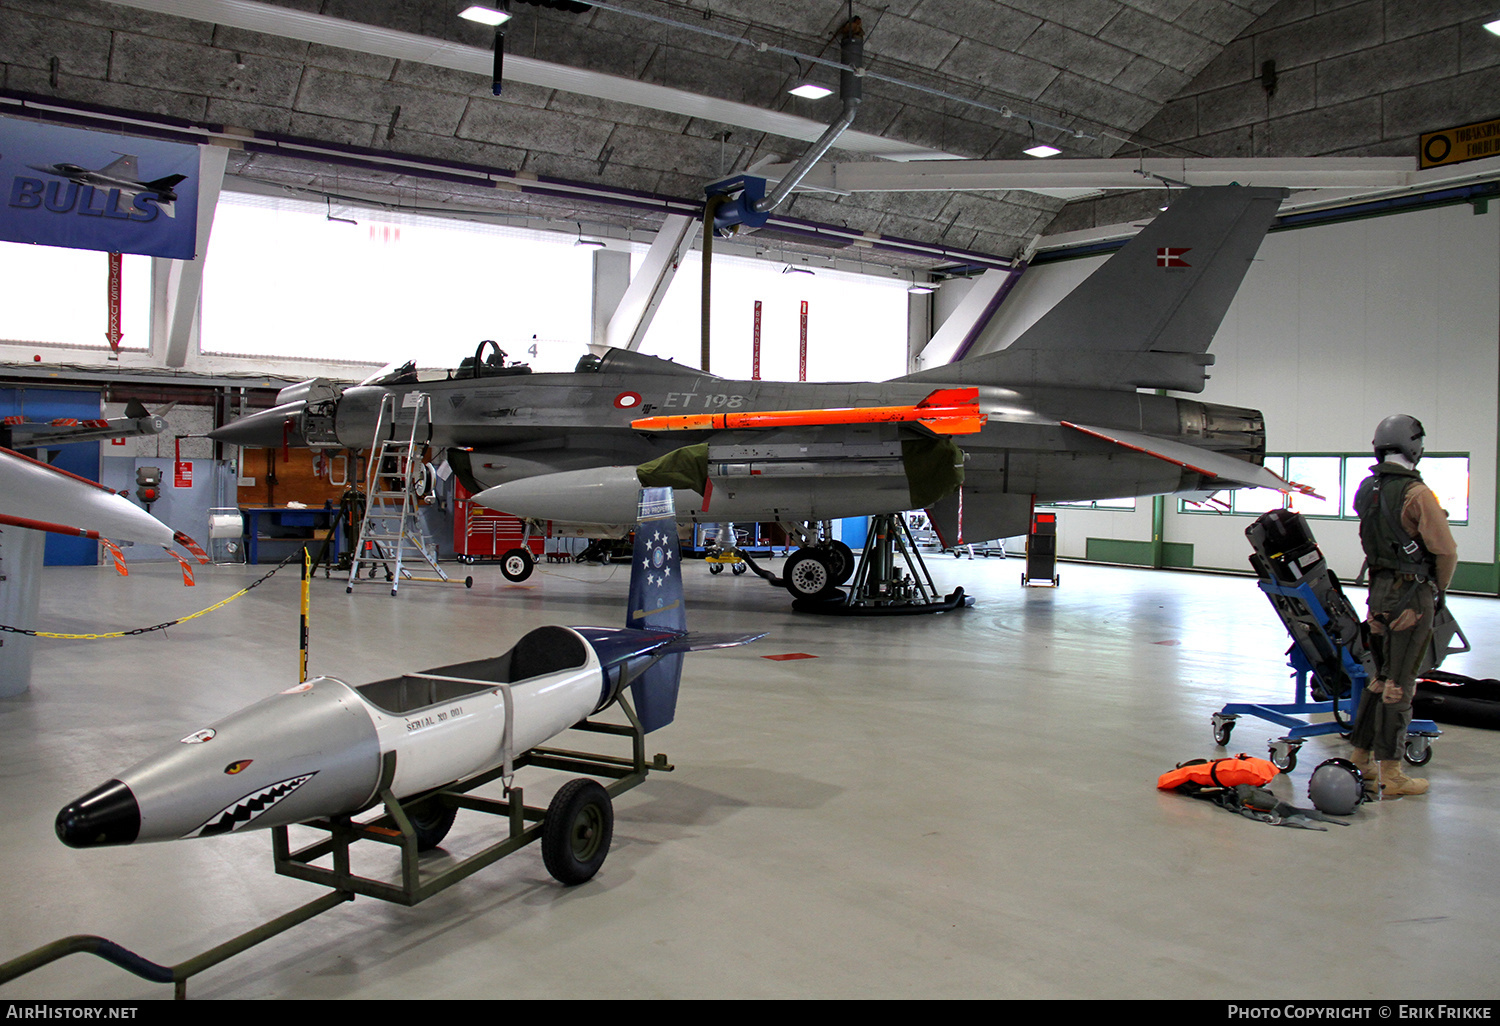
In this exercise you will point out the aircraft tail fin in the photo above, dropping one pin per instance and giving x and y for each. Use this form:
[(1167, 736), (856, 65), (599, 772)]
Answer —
[(166, 184), (1146, 316), (656, 604), (124, 166)]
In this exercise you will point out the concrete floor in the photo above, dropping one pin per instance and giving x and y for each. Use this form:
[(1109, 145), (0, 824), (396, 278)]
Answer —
[(945, 806)]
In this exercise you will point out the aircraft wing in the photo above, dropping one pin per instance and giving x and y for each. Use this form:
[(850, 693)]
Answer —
[(1230, 471), (701, 641)]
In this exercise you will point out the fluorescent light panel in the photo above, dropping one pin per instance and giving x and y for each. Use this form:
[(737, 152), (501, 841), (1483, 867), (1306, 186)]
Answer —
[(1493, 26), (1041, 150), (484, 15), (811, 91)]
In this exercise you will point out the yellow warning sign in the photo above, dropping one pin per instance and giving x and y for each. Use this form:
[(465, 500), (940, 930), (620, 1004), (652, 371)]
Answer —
[(1453, 145)]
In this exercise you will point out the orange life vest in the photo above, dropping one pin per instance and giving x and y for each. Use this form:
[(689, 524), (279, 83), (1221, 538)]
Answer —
[(1241, 769)]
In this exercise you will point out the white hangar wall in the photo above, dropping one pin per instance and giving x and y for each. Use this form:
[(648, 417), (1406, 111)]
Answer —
[(1335, 327)]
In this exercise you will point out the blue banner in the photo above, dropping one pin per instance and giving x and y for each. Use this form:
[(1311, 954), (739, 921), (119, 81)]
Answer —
[(95, 190)]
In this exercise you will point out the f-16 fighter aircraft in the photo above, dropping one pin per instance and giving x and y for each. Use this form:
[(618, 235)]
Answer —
[(119, 174), (1058, 415), (323, 748)]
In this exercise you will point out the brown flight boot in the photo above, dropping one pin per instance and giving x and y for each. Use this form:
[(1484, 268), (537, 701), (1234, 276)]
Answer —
[(1394, 783), (1368, 771)]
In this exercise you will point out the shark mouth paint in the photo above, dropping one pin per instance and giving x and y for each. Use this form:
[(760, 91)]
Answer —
[(250, 807)]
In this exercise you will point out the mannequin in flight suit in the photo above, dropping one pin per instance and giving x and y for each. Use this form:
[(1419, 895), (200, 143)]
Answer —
[(1412, 557)]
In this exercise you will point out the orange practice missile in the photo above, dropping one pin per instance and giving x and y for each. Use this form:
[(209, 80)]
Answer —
[(947, 411)]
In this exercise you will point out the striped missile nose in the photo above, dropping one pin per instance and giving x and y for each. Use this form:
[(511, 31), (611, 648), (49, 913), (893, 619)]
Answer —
[(106, 815)]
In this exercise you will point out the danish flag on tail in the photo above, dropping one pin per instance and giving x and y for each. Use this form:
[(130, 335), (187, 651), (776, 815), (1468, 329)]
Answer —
[(1168, 256)]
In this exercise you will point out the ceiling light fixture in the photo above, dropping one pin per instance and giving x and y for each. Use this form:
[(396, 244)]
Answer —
[(485, 15), (1037, 149), (1493, 26), (811, 91), (918, 289)]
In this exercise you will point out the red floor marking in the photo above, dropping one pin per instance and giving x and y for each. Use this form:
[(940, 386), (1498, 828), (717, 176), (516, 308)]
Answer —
[(790, 655)]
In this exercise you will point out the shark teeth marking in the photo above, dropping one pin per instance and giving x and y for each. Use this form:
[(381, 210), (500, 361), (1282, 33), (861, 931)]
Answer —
[(249, 808)]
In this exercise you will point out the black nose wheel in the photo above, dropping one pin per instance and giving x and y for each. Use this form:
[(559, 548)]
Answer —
[(579, 827)]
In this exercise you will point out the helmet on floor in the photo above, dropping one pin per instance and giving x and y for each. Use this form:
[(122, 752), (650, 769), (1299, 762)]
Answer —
[(1336, 787)]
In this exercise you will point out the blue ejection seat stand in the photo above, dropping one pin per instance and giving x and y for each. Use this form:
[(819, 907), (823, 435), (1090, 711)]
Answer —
[(1328, 645)]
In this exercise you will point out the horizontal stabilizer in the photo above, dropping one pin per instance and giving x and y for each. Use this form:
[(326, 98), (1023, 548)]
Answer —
[(1214, 465), (702, 641)]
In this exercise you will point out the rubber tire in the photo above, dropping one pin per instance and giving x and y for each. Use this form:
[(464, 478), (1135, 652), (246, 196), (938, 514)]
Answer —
[(1222, 734), (841, 561), (432, 820), (716, 568), (577, 832), (1419, 754), (739, 568), (516, 565), (807, 575)]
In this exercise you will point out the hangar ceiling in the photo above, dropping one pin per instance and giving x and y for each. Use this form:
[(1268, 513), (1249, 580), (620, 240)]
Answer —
[(655, 98)]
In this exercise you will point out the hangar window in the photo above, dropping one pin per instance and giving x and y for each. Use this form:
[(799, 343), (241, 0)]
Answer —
[(1336, 478), (856, 323), (1447, 476), (67, 297), (289, 278)]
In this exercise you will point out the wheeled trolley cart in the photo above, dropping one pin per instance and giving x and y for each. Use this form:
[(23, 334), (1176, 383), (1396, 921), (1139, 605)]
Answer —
[(1041, 551), (1329, 656)]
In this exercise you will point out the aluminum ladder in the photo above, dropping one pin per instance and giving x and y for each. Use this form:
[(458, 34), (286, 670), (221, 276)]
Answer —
[(391, 533)]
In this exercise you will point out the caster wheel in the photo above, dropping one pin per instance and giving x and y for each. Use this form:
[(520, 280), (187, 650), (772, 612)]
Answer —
[(1418, 751)]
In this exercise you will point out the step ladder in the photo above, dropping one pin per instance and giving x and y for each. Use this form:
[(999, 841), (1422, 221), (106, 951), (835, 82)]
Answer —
[(391, 534)]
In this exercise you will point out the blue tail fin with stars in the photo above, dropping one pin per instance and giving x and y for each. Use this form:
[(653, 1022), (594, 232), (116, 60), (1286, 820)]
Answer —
[(656, 604)]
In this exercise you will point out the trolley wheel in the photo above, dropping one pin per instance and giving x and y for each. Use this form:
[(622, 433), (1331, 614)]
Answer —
[(739, 568), (432, 820), (716, 568), (516, 565), (807, 575), (1222, 731), (576, 833), (1283, 756), (1418, 750), (840, 559)]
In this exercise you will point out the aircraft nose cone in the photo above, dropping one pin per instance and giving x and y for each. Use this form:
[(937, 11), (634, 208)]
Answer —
[(268, 429), (106, 815)]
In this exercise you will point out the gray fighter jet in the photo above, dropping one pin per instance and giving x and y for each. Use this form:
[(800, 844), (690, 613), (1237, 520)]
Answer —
[(119, 174), (1063, 413)]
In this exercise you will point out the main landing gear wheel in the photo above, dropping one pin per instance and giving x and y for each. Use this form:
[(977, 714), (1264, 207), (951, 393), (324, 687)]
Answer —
[(576, 834), (432, 820), (840, 559), (807, 575), (516, 565)]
